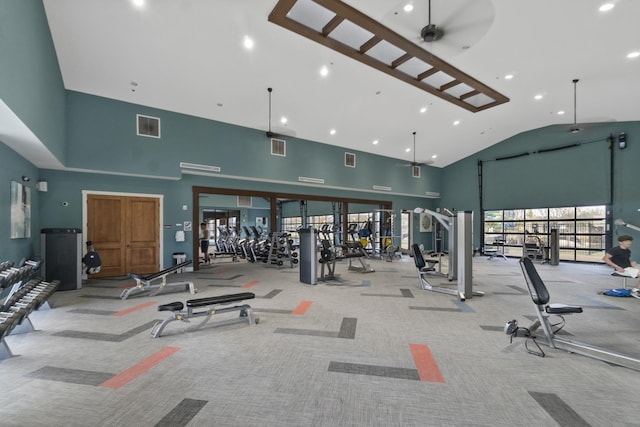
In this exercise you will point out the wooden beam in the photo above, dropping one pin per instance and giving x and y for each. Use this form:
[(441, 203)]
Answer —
[(399, 61), (331, 25)]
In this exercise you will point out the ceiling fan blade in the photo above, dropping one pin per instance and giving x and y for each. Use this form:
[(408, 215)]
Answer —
[(444, 15), (465, 21)]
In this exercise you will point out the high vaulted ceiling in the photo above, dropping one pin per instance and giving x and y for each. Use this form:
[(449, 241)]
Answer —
[(188, 56)]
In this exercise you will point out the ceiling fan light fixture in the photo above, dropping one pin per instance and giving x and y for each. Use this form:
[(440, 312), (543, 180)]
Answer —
[(431, 33)]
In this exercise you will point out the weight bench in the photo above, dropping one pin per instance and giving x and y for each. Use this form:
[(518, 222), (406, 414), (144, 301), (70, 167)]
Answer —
[(540, 297), (354, 250), (211, 307), (146, 283)]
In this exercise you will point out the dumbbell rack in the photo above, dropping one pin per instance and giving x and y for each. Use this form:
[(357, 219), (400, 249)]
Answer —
[(282, 250)]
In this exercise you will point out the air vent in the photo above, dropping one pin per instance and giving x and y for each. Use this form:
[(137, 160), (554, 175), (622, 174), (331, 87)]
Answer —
[(433, 194), (185, 165), (148, 126), (314, 180), (244, 201), (416, 171), (278, 147), (350, 160), (381, 188)]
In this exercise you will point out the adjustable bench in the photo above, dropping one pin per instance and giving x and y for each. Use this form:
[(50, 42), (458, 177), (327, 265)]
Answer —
[(211, 307), (540, 297), (354, 250), (146, 283)]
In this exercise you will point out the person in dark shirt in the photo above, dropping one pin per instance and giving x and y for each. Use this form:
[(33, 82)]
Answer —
[(204, 242), (619, 257)]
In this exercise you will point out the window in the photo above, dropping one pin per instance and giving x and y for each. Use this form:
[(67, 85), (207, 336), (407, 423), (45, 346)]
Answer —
[(581, 230)]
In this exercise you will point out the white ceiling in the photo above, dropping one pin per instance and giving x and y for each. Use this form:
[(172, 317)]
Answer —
[(188, 56)]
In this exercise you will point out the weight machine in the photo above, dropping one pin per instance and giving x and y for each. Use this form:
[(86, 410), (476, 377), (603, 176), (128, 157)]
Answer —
[(459, 227), (540, 298), (622, 223)]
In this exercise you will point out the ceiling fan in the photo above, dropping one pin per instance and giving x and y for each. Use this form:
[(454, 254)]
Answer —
[(281, 133), (460, 24), (269, 133), (575, 128), (431, 32), (414, 164)]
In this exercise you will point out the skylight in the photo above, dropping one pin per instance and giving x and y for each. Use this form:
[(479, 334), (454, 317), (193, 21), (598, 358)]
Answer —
[(344, 29)]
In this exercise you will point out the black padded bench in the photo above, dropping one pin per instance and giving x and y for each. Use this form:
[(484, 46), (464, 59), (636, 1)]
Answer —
[(177, 307), (146, 283)]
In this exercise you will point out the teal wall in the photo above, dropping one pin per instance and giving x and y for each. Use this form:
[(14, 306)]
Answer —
[(238, 151), (30, 81), (12, 168), (579, 175)]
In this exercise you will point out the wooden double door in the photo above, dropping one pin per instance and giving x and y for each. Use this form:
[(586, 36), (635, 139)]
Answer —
[(125, 232)]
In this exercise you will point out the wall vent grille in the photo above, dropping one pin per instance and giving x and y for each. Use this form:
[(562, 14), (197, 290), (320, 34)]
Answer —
[(313, 180), (278, 147), (350, 160), (244, 201), (148, 126), (196, 166)]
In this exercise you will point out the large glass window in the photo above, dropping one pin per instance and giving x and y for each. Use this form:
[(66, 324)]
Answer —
[(581, 230)]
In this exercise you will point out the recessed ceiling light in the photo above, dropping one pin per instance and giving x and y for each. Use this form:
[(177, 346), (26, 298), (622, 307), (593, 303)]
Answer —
[(283, 120), (606, 6), (633, 54), (138, 3), (434, 156), (537, 97), (560, 112), (407, 150), (423, 110), (332, 132), (375, 142), (408, 7), (324, 71), (508, 76), (248, 42), (456, 123)]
